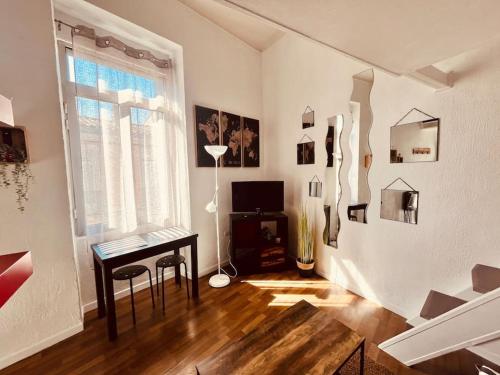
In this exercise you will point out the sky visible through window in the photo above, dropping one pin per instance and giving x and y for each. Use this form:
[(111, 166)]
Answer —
[(105, 78)]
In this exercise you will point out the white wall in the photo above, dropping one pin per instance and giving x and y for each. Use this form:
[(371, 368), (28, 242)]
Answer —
[(390, 262), (46, 308)]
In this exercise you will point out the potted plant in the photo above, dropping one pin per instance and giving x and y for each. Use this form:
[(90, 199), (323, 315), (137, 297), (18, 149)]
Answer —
[(305, 260)]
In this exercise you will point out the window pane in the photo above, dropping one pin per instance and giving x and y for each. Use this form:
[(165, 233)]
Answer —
[(89, 73), (111, 79), (85, 71), (140, 116)]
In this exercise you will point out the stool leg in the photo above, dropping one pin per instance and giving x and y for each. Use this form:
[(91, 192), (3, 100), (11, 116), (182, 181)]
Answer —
[(162, 291), (151, 287), (132, 300), (187, 280), (157, 282)]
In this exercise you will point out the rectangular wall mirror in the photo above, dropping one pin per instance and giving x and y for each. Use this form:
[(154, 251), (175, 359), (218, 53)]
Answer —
[(399, 205), (308, 118), (415, 142), (361, 154), (333, 189)]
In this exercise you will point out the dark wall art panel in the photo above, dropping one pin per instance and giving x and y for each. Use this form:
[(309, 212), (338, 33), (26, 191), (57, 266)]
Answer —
[(230, 125), (207, 133), (251, 138)]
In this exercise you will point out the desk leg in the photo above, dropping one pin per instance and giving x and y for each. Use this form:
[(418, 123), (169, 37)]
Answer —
[(194, 269), (101, 308), (362, 359), (177, 270), (110, 304)]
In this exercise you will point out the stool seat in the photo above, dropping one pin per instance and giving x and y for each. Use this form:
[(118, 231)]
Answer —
[(170, 261), (129, 272)]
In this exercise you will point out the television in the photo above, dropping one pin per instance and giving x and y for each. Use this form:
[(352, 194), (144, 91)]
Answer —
[(258, 196)]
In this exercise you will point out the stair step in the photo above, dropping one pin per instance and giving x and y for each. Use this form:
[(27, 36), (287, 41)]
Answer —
[(485, 278), (438, 303), (416, 321)]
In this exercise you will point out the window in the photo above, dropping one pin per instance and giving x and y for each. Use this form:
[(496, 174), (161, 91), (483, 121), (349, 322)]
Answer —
[(127, 145)]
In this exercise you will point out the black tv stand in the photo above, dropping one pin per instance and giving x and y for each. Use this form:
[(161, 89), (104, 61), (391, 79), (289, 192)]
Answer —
[(259, 241)]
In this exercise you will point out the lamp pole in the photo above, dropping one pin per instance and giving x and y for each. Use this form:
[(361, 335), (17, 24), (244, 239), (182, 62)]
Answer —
[(219, 280)]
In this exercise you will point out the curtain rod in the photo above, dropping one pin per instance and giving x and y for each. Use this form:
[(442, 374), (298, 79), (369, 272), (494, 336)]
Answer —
[(109, 41), (59, 23)]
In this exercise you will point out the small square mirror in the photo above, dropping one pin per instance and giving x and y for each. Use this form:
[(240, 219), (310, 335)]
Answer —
[(307, 119), (399, 205)]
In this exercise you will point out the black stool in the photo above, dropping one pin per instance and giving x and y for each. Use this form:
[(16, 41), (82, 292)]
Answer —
[(128, 273), (167, 262)]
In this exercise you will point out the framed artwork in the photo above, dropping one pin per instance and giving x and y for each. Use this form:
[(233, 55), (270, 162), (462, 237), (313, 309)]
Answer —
[(305, 153), (230, 126), (207, 133), (251, 151), (13, 147)]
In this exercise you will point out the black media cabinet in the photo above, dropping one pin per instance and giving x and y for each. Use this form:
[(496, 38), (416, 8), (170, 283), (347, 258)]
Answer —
[(259, 242)]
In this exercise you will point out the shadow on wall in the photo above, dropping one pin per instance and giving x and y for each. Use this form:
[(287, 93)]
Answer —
[(352, 278)]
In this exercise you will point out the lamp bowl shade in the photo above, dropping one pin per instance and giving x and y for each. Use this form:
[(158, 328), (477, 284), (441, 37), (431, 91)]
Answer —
[(216, 150), (15, 269)]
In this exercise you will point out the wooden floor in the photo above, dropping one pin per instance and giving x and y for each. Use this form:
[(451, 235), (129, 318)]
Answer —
[(190, 331)]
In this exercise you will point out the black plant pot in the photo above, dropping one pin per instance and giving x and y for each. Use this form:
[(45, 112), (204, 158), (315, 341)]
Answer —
[(305, 269)]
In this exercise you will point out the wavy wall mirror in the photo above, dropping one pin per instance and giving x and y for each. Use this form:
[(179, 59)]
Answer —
[(359, 145), (332, 180)]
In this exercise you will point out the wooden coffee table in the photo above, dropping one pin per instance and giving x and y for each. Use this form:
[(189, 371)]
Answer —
[(300, 340)]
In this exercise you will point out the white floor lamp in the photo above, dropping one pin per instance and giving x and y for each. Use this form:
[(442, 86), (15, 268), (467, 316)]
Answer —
[(220, 280)]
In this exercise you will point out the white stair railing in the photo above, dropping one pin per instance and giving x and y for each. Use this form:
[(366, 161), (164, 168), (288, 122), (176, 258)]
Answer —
[(470, 324)]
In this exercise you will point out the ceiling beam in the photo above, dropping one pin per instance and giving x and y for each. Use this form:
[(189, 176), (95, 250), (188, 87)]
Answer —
[(429, 75), (433, 77)]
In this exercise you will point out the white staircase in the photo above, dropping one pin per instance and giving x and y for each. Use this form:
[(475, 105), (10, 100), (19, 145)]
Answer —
[(444, 327)]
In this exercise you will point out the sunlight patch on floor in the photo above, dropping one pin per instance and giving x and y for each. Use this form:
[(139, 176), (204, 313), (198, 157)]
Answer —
[(332, 300), (290, 284)]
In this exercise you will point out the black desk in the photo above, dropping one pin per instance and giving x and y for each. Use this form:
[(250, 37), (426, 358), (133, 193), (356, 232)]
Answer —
[(170, 239)]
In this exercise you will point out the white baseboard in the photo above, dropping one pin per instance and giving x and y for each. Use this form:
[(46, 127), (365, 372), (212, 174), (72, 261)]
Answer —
[(92, 305), (39, 346)]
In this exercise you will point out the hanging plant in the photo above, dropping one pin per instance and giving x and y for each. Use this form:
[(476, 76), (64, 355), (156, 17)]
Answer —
[(20, 174), (14, 159), (21, 179)]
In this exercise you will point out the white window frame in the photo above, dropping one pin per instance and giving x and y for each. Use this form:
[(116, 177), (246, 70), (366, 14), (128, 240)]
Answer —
[(71, 125)]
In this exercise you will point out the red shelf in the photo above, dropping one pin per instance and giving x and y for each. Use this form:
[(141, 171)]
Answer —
[(15, 269)]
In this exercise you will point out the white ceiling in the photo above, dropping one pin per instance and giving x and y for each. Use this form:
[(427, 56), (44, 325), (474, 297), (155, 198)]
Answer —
[(400, 36), (249, 29)]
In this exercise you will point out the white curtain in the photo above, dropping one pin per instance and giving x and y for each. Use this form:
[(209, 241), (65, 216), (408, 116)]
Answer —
[(131, 137)]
